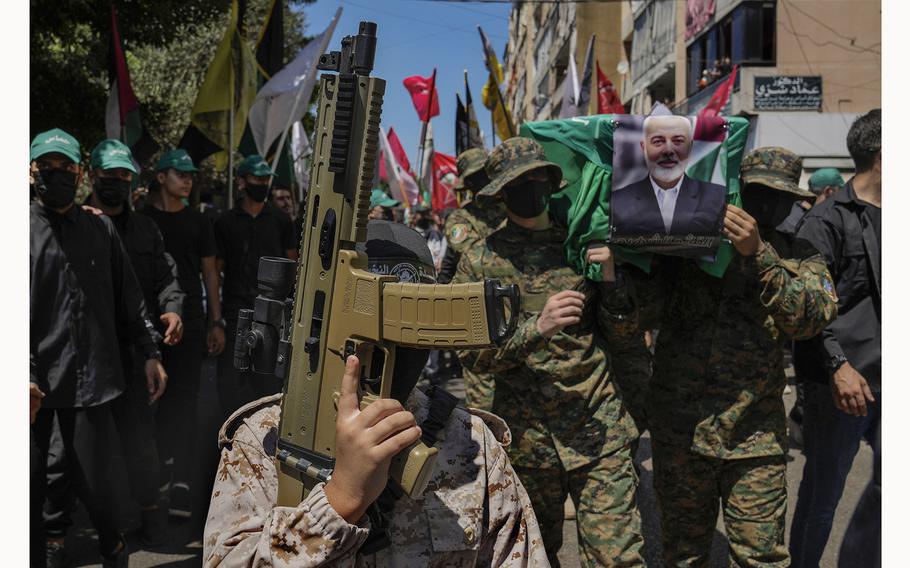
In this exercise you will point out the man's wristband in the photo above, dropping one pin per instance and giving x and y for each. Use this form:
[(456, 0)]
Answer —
[(835, 362), (218, 323)]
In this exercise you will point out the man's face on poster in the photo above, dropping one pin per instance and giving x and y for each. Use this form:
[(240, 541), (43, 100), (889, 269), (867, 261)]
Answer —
[(666, 145)]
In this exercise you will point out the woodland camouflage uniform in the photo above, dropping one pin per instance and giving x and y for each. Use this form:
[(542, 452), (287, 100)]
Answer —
[(718, 383), (572, 434), (468, 227)]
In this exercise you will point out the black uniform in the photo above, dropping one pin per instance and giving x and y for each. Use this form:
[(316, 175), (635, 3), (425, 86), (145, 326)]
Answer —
[(157, 276), (242, 239), (82, 289), (188, 238), (847, 233)]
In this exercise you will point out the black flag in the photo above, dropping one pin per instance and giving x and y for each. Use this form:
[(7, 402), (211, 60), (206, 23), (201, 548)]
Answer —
[(462, 127)]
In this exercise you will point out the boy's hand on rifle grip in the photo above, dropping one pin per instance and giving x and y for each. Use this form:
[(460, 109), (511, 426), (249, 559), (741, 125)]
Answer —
[(365, 443)]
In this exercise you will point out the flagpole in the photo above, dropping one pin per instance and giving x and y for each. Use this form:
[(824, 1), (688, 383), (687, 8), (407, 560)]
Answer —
[(423, 130), (502, 105), (230, 147)]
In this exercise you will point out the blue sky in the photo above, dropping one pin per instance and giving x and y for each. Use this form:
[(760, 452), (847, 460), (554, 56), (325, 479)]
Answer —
[(415, 36)]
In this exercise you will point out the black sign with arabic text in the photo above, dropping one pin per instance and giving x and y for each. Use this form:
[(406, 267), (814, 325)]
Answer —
[(788, 93)]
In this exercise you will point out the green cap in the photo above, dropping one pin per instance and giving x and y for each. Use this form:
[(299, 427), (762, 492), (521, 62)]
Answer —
[(54, 141), (469, 162), (379, 198), (176, 159), (825, 177), (110, 154), (254, 165), (511, 159), (774, 167)]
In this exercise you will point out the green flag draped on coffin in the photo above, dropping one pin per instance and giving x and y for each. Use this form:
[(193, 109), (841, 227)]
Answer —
[(584, 148)]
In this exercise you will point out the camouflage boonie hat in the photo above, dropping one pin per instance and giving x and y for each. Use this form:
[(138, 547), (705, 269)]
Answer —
[(511, 159), (774, 167), (469, 162)]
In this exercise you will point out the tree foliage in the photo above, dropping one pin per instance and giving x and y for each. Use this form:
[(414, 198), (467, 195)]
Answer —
[(169, 44)]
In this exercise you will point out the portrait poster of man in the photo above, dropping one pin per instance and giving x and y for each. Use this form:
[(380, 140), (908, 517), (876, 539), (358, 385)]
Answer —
[(668, 191)]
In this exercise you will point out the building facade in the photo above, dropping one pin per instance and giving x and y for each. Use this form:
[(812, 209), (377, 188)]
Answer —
[(807, 68), (541, 37)]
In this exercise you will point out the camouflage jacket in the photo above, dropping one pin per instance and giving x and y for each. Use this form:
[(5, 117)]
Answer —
[(474, 512), (718, 375), (471, 223), (556, 395)]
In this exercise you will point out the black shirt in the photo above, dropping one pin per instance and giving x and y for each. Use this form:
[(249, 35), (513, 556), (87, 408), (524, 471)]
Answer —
[(154, 267), (847, 232), (188, 238), (241, 240), (81, 287)]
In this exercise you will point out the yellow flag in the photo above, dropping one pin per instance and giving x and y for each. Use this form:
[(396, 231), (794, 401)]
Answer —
[(229, 81), (491, 93)]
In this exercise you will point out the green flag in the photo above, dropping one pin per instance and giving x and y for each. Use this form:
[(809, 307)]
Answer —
[(583, 148)]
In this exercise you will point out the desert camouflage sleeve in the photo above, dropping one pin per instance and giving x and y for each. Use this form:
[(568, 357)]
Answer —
[(512, 537), (246, 528), (799, 293)]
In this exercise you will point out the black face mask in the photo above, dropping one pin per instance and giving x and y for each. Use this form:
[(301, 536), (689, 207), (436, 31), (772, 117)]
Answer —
[(257, 191), (112, 191), (476, 181), (56, 187), (767, 205), (423, 224), (528, 200)]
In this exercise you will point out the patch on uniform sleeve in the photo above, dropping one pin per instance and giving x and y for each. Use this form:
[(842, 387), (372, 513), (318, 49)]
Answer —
[(458, 233), (828, 286)]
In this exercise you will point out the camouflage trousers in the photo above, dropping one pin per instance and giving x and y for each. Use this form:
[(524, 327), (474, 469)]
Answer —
[(479, 390), (609, 525), (690, 488)]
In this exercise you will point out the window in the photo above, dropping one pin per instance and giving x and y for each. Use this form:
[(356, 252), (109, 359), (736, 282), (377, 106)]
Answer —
[(746, 36)]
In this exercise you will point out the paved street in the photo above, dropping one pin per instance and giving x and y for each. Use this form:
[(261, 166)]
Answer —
[(81, 541)]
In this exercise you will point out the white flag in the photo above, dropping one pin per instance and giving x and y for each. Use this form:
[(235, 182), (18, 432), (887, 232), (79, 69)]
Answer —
[(570, 94), (300, 149), (284, 99), (426, 173), (403, 186)]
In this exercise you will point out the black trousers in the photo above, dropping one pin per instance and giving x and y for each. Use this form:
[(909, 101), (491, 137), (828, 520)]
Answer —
[(85, 435), (234, 389), (237, 388), (176, 415), (135, 425)]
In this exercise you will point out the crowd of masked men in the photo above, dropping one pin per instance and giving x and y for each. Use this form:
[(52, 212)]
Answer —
[(125, 304)]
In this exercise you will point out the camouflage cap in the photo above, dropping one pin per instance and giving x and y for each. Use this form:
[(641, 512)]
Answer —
[(774, 167), (469, 162), (513, 158)]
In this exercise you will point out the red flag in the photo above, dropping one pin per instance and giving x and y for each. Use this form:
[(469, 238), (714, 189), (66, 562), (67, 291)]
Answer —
[(421, 89), (398, 152), (720, 97), (444, 175), (122, 120), (607, 100)]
